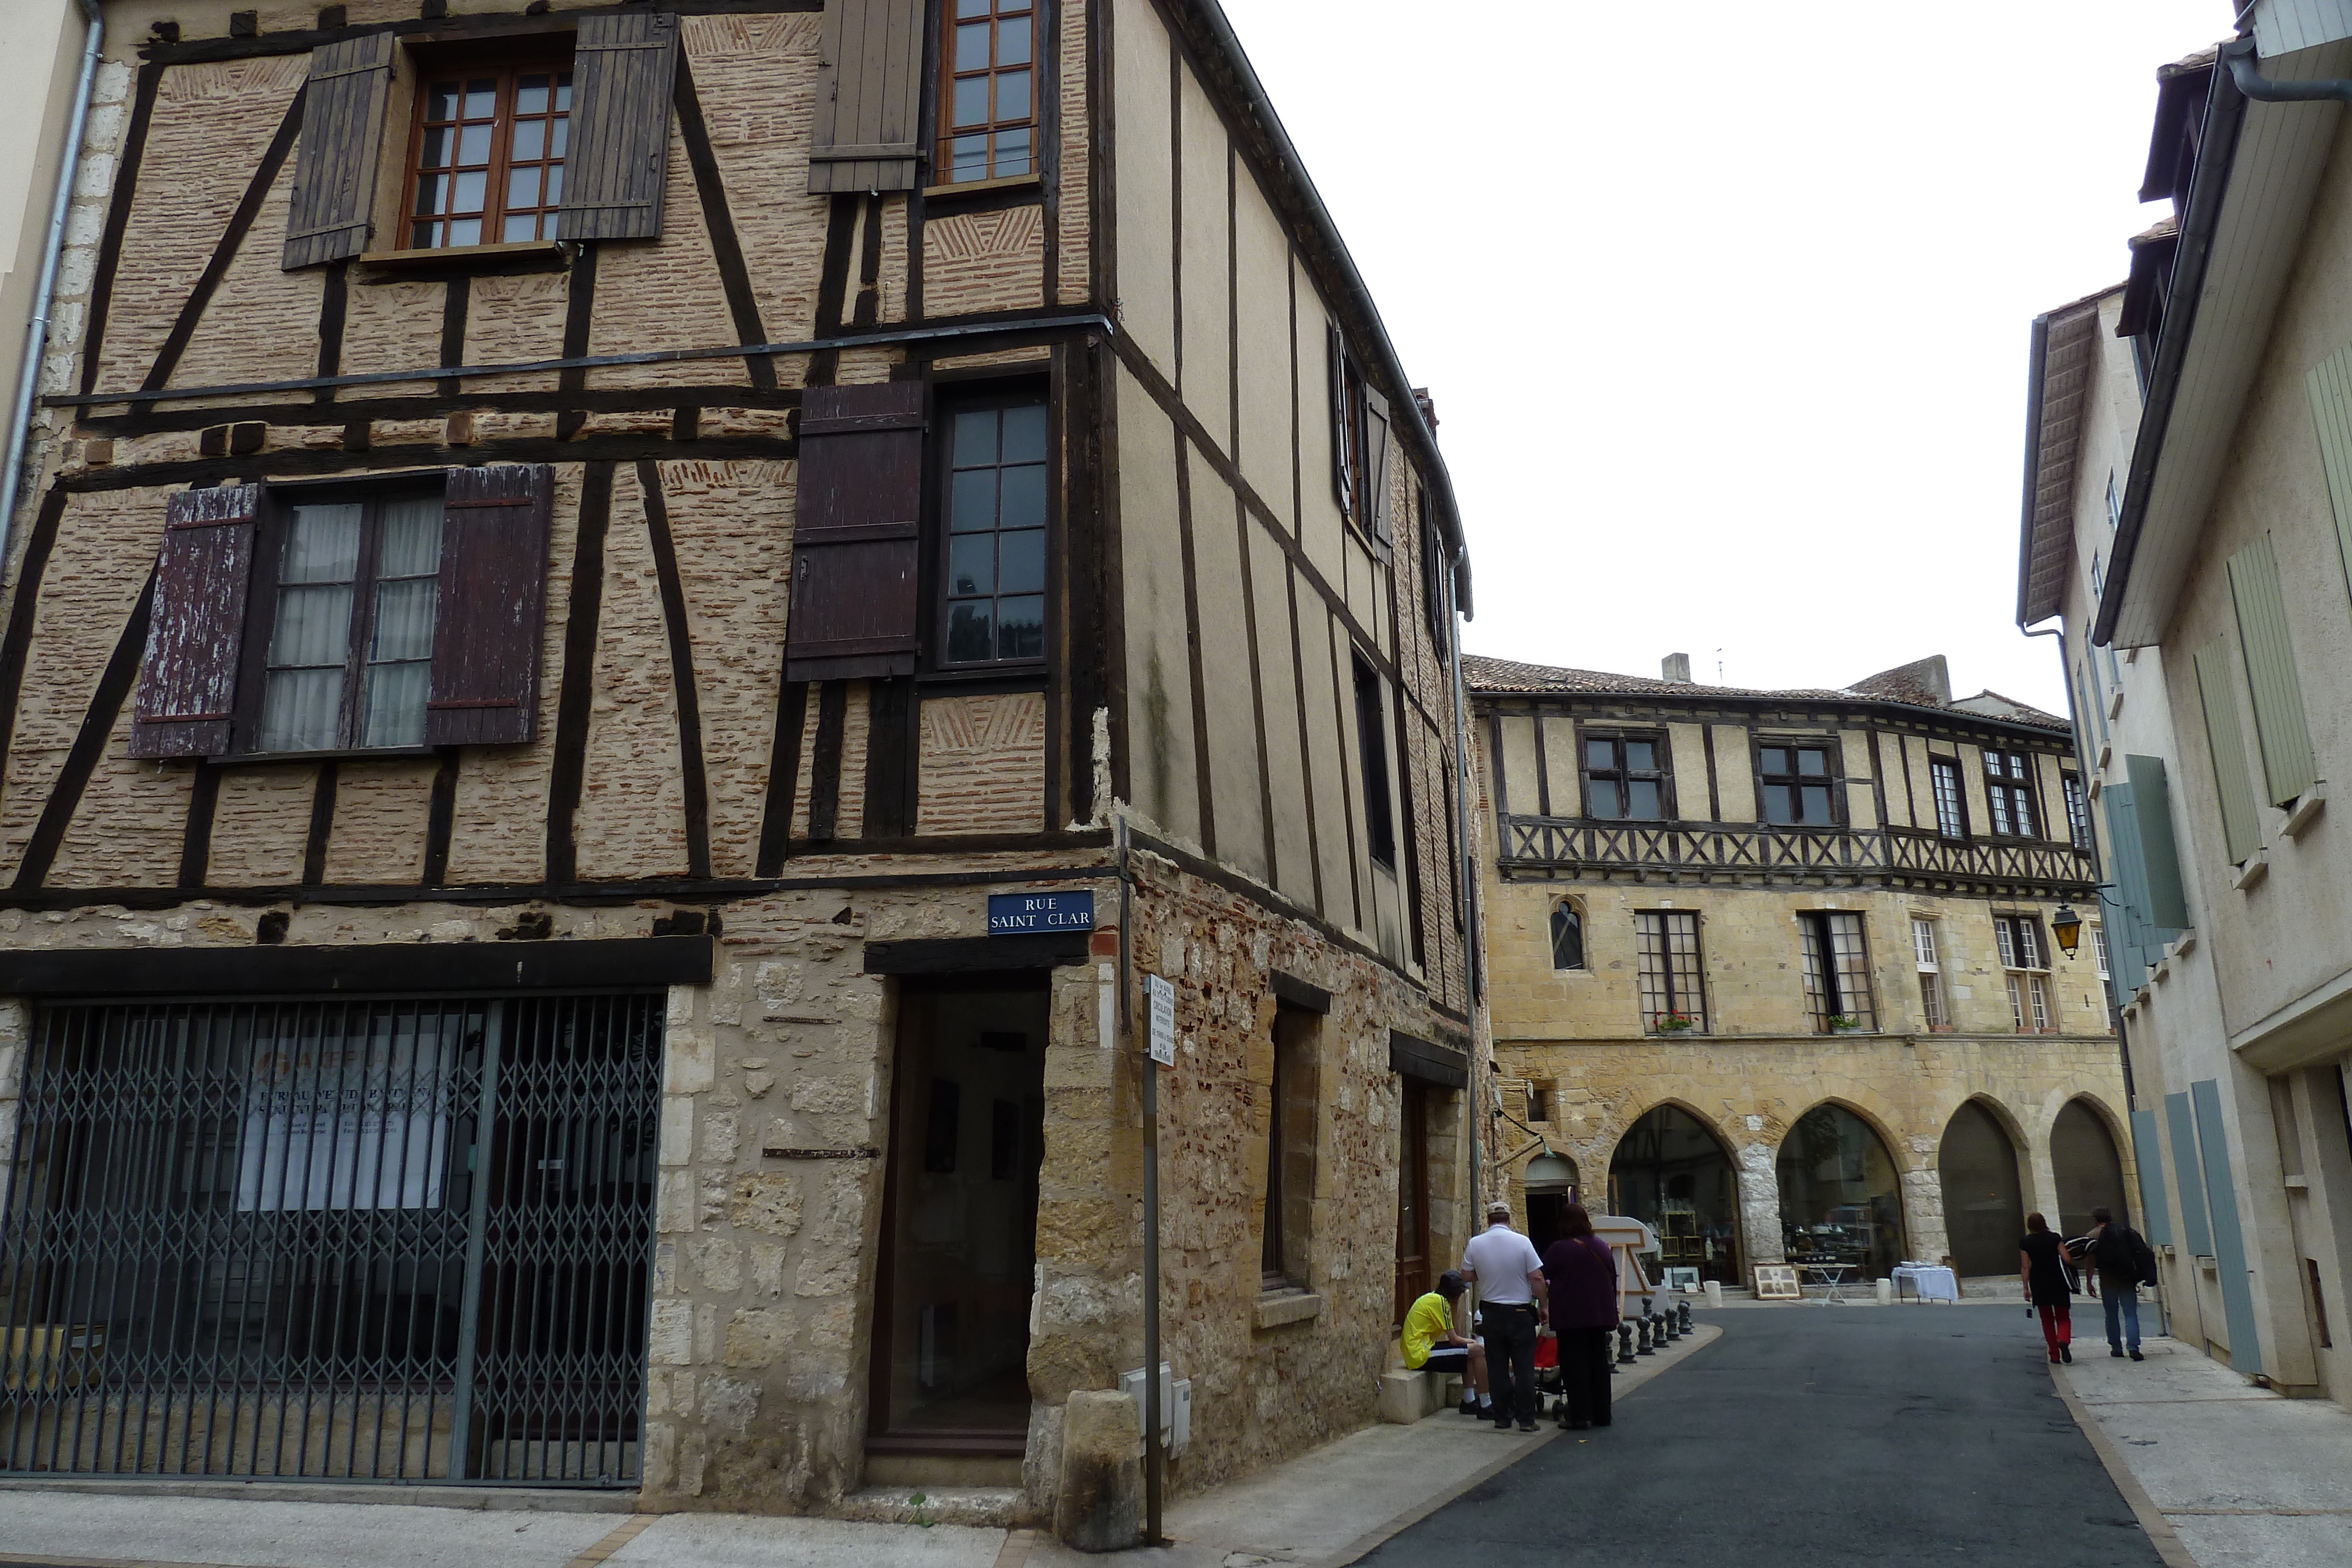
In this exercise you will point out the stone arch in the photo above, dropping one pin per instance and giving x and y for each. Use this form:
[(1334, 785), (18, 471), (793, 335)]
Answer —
[(1841, 1190), (1979, 1172), (1672, 1169), (2086, 1163)]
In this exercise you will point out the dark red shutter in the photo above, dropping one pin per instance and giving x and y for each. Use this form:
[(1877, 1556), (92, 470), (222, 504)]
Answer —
[(1376, 466), (855, 540), (195, 638), (488, 629)]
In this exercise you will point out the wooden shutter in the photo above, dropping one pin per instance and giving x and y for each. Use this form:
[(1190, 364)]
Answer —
[(855, 540), (1343, 445), (487, 629), (2288, 767), (342, 148), (870, 98), (2225, 742), (195, 638), (2159, 852), (622, 71), (1376, 466), (2329, 384)]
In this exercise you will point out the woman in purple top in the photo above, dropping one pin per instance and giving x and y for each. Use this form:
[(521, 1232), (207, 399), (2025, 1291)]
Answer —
[(1580, 1276)]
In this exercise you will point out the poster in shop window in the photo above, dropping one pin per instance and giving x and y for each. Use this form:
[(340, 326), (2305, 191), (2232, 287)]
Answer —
[(347, 1121)]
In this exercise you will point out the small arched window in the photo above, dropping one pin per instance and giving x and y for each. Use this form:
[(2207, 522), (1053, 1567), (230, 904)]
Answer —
[(1567, 936)]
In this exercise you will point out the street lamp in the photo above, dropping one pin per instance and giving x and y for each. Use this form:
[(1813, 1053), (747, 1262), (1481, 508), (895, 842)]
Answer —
[(2068, 927)]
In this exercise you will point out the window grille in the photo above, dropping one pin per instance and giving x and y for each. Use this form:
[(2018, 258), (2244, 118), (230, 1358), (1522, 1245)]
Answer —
[(1673, 998), (1837, 972)]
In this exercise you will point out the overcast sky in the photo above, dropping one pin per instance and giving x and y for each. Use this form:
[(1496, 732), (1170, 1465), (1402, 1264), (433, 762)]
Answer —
[(1725, 317)]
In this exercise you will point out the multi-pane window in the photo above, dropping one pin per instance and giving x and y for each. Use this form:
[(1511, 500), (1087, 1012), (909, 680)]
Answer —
[(351, 648), (2099, 948), (1837, 971), (1373, 754), (1625, 777), (2078, 810), (1796, 784), (1567, 936), (996, 534), (2026, 957), (1674, 992), (988, 122), (1931, 973), (2008, 791), (1952, 810), (488, 164)]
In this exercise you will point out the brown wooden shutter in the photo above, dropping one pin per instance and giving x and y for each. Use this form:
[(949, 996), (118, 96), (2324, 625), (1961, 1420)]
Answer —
[(856, 540), (1343, 453), (1376, 466), (203, 572), (622, 71), (488, 629), (342, 148), (870, 98)]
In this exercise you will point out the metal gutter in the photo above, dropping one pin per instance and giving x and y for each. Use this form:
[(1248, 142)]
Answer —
[(37, 330), (1328, 252), (2225, 115)]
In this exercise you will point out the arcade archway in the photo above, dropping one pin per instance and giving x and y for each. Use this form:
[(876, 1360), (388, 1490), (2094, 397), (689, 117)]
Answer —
[(1841, 1201), (1671, 1173), (2089, 1171), (1984, 1203)]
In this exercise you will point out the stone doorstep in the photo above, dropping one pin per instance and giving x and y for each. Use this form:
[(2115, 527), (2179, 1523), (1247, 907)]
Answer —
[(988, 1508)]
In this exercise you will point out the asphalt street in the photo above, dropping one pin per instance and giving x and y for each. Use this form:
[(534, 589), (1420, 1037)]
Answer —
[(1812, 1436)]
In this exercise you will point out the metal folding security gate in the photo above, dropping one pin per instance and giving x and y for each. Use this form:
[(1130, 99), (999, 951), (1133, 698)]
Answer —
[(389, 1240)]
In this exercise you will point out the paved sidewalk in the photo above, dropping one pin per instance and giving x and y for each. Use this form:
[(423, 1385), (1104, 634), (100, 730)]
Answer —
[(2237, 1476), (1325, 1507)]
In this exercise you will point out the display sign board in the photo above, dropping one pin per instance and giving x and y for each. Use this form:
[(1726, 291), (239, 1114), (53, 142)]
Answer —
[(1162, 995), (1778, 1282), (1026, 913)]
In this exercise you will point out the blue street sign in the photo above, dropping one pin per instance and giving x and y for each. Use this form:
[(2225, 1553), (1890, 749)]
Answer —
[(1020, 914)]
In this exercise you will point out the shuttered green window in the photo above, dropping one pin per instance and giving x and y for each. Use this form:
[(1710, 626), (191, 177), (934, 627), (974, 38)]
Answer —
[(2329, 384), (2288, 767), (2226, 743)]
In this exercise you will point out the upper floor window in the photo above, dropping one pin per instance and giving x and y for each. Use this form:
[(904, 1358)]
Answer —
[(1926, 958), (988, 112), (1625, 778), (2099, 948), (2078, 809), (1797, 785), (489, 149), (2027, 958), (2008, 791), (1371, 740), (1674, 992), (994, 598), (1567, 935), (1360, 445), (2114, 502), (1951, 805), (1837, 971), (350, 646)]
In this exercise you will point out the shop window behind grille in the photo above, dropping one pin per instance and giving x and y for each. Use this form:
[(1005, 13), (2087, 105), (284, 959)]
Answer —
[(1837, 972), (1673, 993), (388, 1240)]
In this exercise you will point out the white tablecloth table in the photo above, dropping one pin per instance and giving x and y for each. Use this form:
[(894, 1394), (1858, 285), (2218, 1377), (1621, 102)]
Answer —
[(1932, 1281)]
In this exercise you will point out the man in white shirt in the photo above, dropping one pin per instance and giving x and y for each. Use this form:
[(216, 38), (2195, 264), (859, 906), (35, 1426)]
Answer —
[(1510, 1280)]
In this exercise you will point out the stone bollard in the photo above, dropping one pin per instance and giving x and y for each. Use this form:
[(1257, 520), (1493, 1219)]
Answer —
[(1885, 1292), (1642, 1330), (1685, 1310), (1625, 1344), (1715, 1292), (1666, 1327), (1101, 1508)]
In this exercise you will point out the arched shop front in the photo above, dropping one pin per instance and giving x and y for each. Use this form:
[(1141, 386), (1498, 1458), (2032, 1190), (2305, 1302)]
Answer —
[(1840, 1199), (1984, 1203), (1671, 1173)]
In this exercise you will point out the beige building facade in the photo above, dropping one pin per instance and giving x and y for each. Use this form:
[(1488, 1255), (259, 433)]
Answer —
[(1777, 971), (643, 631)]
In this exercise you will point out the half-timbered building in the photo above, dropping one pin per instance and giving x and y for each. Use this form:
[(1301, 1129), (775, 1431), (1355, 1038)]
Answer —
[(1797, 977), (634, 628)]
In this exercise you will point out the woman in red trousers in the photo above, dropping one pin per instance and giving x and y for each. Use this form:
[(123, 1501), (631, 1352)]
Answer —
[(2043, 1265)]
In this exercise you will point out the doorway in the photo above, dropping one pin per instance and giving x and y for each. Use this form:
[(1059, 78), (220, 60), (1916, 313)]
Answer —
[(1984, 1203), (1413, 1198), (1841, 1201), (1670, 1172), (2090, 1172), (951, 1349)]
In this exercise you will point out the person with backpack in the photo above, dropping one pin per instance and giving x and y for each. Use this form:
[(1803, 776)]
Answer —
[(2124, 1261)]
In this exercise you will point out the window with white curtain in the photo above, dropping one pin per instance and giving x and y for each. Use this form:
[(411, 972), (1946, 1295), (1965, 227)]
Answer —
[(356, 587)]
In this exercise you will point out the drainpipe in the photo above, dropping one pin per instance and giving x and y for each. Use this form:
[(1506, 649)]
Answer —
[(2246, 75), (36, 331), (1465, 875)]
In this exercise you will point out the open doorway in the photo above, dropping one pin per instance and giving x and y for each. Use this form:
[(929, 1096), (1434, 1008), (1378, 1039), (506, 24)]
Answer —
[(1671, 1173), (951, 1353)]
